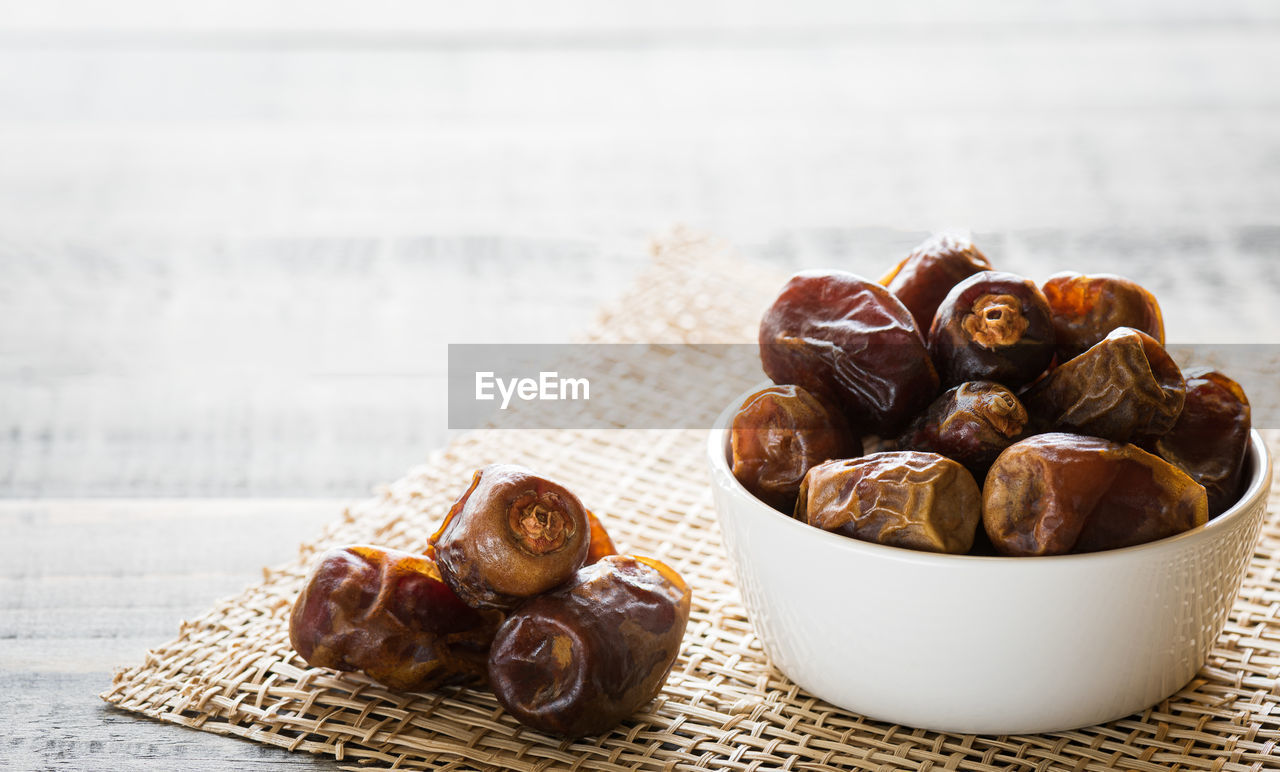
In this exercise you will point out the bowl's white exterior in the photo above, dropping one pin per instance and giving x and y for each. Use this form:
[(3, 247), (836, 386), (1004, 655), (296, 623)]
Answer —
[(983, 644)]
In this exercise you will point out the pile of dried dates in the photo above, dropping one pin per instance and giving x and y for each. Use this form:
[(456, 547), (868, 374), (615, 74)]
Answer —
[(522, 589), (909, 411)]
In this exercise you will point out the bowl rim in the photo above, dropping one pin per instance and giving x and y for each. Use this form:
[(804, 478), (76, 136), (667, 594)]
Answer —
[(722, 476)]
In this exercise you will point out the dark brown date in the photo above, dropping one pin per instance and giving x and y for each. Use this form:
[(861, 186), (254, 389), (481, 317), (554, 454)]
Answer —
[(578, 660), (1211, 437), (993, 326), (1086, 308), (1057, 493), (925, 276), (907, 499), (971, 423), (1121, 389), (778, 435), (389, 614), (601, 545), (852, 342), (510, 536)]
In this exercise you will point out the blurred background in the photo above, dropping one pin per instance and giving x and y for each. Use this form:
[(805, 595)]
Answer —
[(236, 237)]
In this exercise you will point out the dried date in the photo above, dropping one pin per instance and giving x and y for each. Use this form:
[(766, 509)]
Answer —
[(925, 276), (852, 342), (993, 326), (1086, 308), (1211, 437), (901, 498), (971, 423), (778, 435), (389, 614), (1121, 389), (578, 660), (601, 545), (510, 536), (1057, 493)]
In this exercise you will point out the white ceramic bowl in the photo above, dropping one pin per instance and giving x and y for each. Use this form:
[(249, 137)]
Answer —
[(986, 645)]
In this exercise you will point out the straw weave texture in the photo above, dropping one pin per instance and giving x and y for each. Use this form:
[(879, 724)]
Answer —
[(232, 671)]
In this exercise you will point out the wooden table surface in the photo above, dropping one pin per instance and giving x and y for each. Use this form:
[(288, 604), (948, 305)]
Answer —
[(235, 239)]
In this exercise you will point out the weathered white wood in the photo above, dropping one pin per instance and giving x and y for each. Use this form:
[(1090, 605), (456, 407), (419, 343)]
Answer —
[(55, 722), (991, 126), (68, 558), (233, 272), (88, 585), (487, 17), (220, 376), (309, 367)]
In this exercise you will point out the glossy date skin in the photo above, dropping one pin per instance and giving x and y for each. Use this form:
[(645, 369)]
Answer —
[(906, 499), (851, 342), (971, 423), (1211, 437), (993, 326), (389, 614), (1086, 308), (1057, 493), (512, 535), (925, 276), (579, 660), (1121, 389), (778, 435)]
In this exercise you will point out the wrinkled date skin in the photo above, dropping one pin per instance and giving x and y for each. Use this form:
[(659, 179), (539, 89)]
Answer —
[(1211, 437), (993, 326), (1057, 493), (389, 614), (1086, 308), (852, 342), (778, 435), (601, 545), (1123, 388), (578, 660), (971, 423), (925, 276), (906, 499), (510, 536)]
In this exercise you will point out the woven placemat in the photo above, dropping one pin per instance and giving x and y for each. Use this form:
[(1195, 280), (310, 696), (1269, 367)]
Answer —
[(231, 671)]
